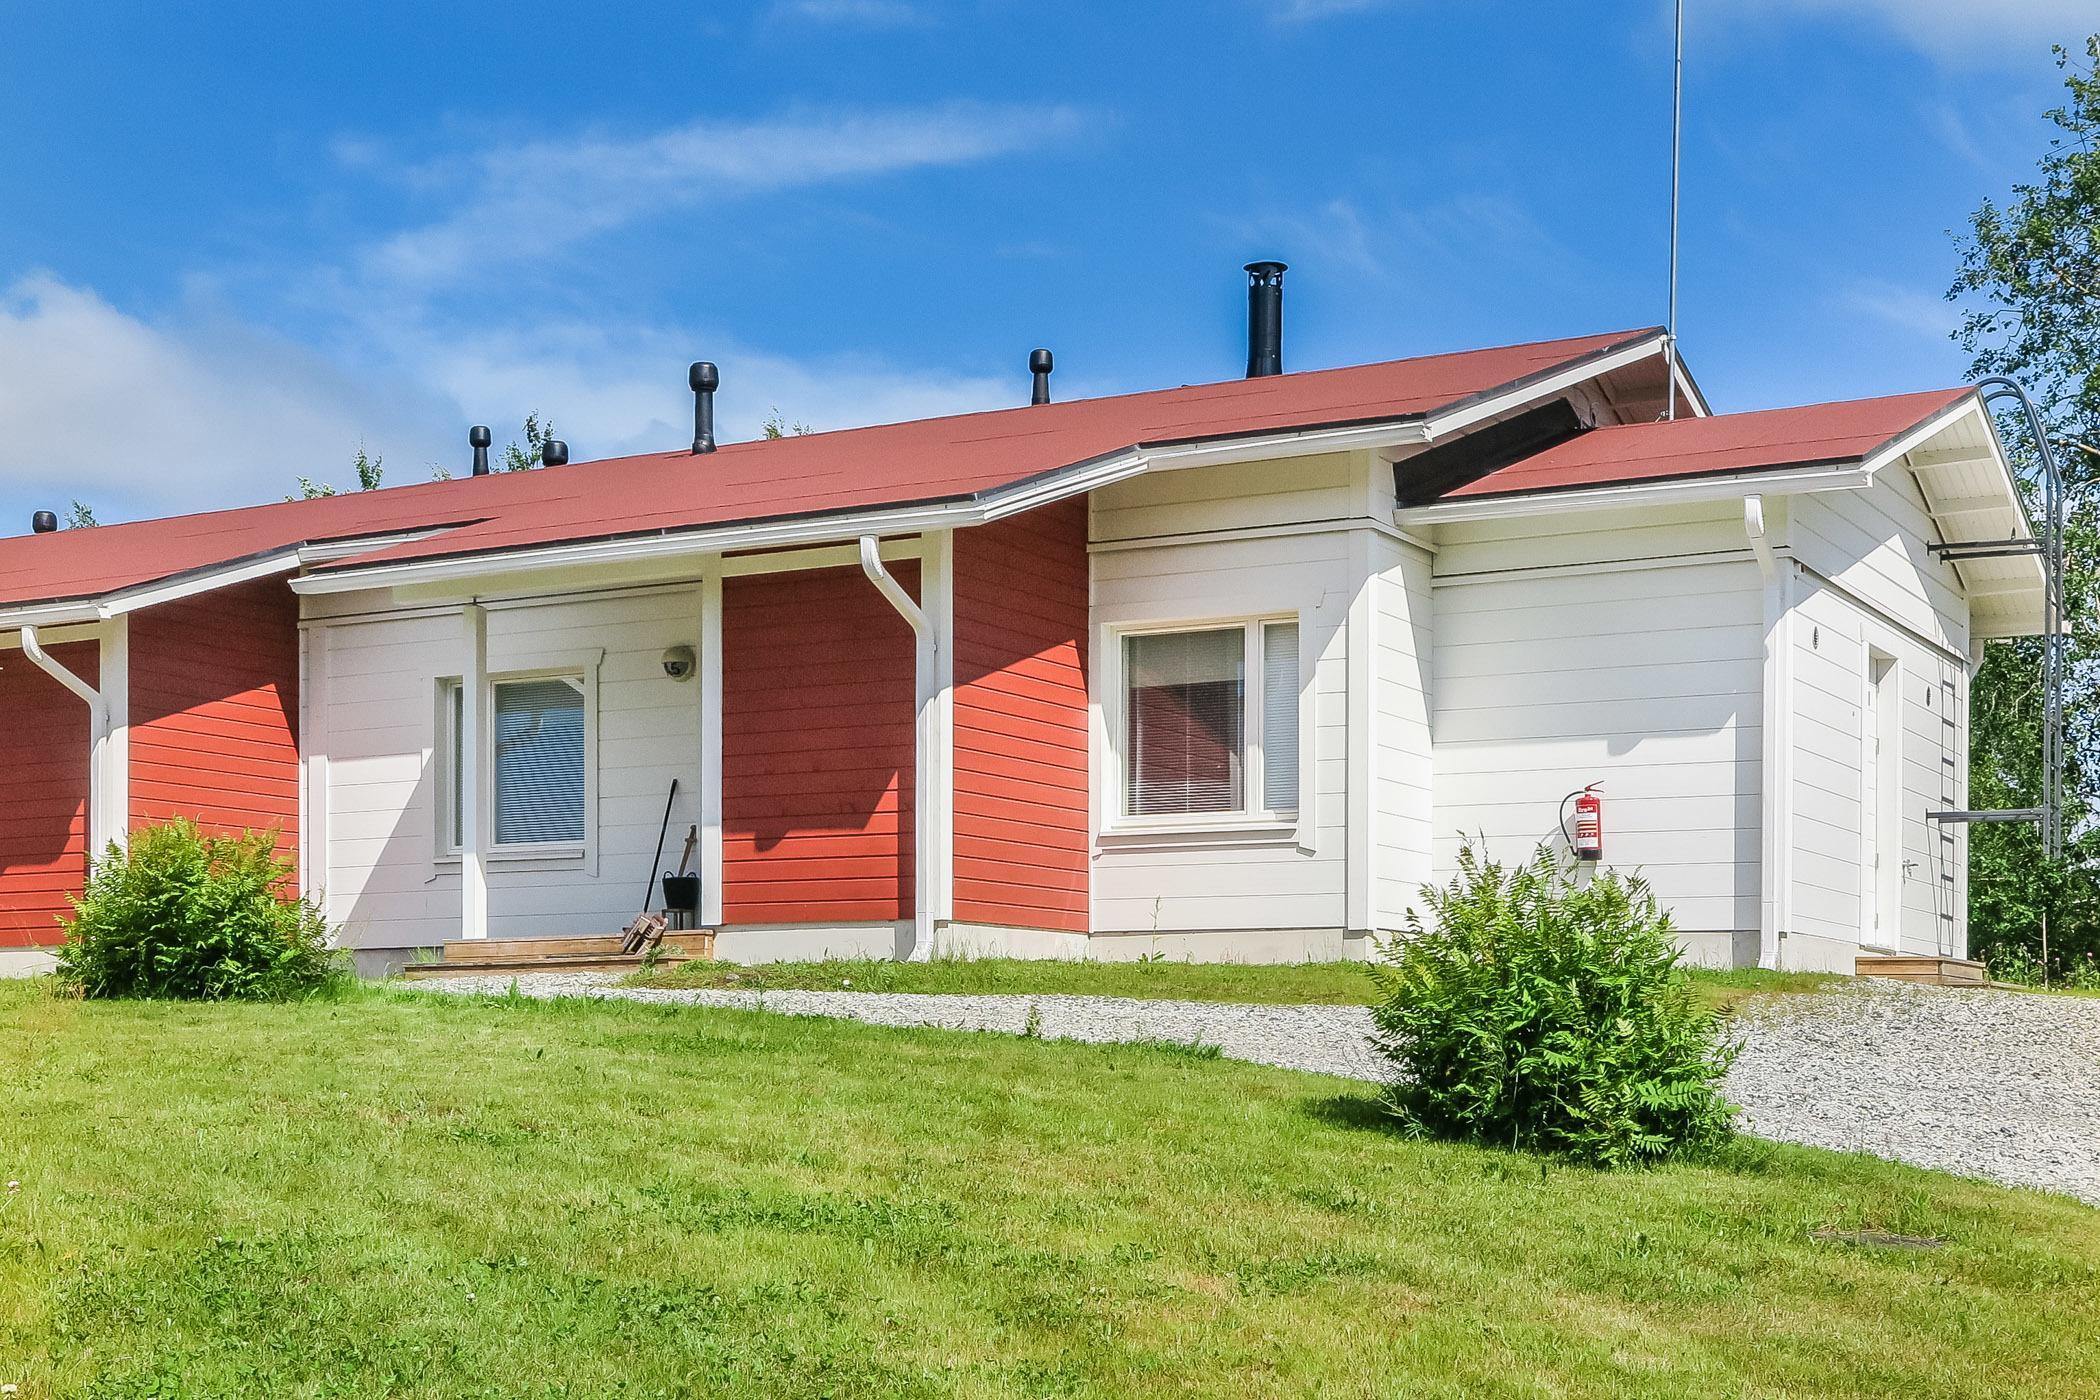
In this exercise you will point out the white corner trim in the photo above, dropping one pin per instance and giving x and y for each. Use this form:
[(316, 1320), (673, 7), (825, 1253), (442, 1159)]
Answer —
[(710, 668)]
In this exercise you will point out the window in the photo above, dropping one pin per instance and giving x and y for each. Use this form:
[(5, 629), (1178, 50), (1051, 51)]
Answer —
[(1197, 739), (537, 757)]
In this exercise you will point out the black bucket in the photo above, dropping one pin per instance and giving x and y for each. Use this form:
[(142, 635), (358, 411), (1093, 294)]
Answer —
[(681, 893)]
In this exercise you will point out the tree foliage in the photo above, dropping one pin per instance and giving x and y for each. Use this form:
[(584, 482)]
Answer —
[(2030, 274), (369, 470), (525, 457)]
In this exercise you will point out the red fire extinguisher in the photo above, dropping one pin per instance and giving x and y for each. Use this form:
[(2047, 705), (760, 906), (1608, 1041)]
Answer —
[(1587, 839)]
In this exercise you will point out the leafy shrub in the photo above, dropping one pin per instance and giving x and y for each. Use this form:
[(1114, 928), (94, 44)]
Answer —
[(1538, 1013), (188, 915)]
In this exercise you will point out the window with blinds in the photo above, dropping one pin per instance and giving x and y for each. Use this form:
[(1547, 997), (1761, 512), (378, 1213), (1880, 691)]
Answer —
[(538, 765), (1185, 706)]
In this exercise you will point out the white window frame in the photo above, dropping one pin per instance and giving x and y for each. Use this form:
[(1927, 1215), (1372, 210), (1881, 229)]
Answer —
[(584, 674), (1251, 817)]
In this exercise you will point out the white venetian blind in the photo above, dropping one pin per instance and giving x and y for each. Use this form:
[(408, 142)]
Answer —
[(1184, 698), (1279, 716), (539, 767)]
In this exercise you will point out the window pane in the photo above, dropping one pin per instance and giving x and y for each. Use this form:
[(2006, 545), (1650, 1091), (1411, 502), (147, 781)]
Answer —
[(539, 761), (1279, 716), (454, 706), (1184, 700)]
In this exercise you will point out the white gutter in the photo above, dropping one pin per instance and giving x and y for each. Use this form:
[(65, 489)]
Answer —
[(1779, 482), (104, 822)]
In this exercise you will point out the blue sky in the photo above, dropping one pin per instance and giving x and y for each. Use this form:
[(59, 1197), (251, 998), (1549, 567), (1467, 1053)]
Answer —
[(243, 241)]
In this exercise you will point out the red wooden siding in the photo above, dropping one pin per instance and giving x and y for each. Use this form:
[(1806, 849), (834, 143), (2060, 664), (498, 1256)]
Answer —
[(215, 710), (44, 774), (1021, 846), (817, 749)]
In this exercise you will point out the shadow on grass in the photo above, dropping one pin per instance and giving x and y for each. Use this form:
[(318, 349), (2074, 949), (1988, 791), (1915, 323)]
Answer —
[(1361, 1111)]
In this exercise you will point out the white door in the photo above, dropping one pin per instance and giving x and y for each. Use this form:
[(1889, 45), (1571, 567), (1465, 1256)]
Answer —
[(1880, 803)]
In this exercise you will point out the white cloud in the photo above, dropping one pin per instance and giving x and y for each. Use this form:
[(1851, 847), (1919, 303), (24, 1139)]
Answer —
[(182, 415), (528, 201), (1950, 28)]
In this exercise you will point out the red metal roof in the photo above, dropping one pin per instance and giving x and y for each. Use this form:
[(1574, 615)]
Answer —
[(1824, 434), (929, 460)]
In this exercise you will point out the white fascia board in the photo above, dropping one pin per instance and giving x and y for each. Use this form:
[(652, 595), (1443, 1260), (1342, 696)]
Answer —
[(1780, 482), (1458, 419), (114, 605)]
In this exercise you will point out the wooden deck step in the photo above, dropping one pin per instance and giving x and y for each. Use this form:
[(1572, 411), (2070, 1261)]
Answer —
[(599, 953), (557, 962), (1922, 967)]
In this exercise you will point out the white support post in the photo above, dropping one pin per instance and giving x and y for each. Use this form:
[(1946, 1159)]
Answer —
[(937, 596), (710, 666), (473, 777), (113, 779), (933, 765), (313, 770)]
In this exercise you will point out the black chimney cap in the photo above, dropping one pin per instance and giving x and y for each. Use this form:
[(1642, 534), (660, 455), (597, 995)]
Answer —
[(479, 436), (554, 453), (1266, 271), (44, 522), (1039, 365), (704, 377)]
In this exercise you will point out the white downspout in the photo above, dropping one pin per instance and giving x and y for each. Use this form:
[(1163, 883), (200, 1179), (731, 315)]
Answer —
[(1775, 846), (103, 824), (927, 812)]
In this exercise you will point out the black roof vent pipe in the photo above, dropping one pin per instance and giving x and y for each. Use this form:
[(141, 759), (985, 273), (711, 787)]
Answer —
[(1265, 318), (43, 522), (1040, 364), (705, 379), (478, 438), (554, 453)]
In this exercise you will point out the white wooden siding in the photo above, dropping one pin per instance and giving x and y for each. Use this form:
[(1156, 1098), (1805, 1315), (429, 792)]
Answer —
[(1623, 648), (386, 883), (1404, 764), (1175, 882)]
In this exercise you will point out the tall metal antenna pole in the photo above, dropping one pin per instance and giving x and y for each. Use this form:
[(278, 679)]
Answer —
[(1676, 166)]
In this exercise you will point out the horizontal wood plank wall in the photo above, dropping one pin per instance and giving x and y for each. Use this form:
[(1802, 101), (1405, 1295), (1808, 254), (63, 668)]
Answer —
[(1021, 846), (215, 711), (818, 708), (44, 772)]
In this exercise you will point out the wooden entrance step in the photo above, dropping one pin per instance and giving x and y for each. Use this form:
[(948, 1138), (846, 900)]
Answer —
[(481, 957), (1922, 967)]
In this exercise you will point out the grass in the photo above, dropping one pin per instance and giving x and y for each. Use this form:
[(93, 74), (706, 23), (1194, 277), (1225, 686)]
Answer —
[(396, 1194), (1328, 984)]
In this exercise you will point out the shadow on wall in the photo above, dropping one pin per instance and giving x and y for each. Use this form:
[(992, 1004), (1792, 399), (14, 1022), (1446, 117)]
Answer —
[(44, 773), (818, 712)]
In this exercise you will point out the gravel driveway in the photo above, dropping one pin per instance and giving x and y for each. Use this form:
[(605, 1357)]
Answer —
[(2001, 1085)]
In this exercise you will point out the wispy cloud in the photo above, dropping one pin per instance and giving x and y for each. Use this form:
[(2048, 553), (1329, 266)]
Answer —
[(1904, 307), (526, 201), (1306, 11), (1465, 235), (860, 14), (1948, 29)]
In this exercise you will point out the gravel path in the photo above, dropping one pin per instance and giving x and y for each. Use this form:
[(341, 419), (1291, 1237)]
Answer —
[(2001, 1085)]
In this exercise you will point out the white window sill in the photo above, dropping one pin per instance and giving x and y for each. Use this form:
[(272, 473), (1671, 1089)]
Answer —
[(564, 853), (1197, 831)]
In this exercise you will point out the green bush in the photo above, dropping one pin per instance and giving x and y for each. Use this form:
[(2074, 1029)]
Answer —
[(1538, 1013), (187, 915)]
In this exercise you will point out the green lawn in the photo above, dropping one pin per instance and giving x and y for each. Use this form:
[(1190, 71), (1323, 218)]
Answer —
[(397, 1194), (1333, 983)]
